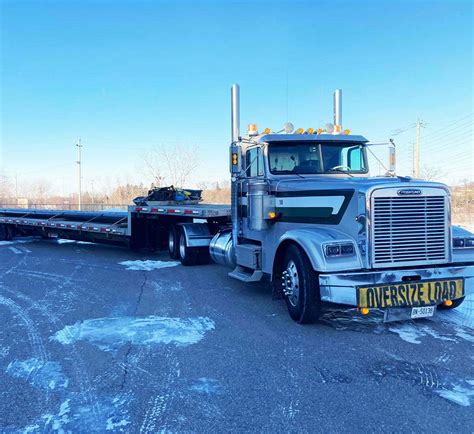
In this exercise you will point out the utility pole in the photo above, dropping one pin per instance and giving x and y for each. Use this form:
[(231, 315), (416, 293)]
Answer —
[(79, 164), (416, 152), (16, 188)]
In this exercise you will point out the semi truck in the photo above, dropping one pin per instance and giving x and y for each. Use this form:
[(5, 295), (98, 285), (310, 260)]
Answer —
[(305, 215)]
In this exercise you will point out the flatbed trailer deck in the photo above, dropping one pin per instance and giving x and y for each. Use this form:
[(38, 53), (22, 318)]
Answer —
[(139, 226)]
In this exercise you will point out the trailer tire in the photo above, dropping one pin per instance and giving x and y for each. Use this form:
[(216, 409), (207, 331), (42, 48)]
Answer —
[(456, 303), (173, 242), (6, 233), (187, 255), (3, 232), (301, 286)]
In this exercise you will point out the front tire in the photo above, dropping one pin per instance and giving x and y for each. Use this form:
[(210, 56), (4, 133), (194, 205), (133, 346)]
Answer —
[(300, 286), (456, 303)]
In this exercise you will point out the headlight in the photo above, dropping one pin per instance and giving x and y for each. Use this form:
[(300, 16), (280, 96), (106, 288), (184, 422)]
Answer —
[(463, 242), (339, 249)]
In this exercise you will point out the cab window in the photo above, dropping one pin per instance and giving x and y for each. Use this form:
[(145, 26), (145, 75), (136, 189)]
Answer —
[(254, 162)]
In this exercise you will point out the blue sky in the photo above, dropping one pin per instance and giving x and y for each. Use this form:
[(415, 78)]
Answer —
[(125, 76)]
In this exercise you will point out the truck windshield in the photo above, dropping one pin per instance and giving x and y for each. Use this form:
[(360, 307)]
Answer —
[(314, 158)]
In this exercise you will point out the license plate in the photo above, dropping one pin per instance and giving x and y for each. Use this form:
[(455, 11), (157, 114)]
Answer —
[(422, 312), (414, 294)]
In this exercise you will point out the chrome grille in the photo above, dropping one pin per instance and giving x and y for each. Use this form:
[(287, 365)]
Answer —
[(409, 230)]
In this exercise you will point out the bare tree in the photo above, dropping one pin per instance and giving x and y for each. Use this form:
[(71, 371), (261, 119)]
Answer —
[(5, 187), (171, 164), (431, 173)]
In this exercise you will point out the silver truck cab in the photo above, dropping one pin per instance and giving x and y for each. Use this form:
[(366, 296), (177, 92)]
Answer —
[(306, 213)]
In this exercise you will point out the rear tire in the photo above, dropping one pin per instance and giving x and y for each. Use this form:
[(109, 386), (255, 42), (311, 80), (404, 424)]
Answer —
[(300, 286), (187, 255), (6, 233), (173, 242), (455, 304)]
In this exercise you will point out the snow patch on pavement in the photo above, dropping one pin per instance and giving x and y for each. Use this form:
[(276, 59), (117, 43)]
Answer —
[(18, 241), (207, 386), (65, 241), (148, 265), (4, 351), (412, 333), (109, 334), (111, 414), (161, 286), (458, 394), (46, 375)]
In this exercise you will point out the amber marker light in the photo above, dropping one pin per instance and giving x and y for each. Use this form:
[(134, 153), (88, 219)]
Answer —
[(364, 310), (267, 131), (347, 132), (272, 215), (448, 303)]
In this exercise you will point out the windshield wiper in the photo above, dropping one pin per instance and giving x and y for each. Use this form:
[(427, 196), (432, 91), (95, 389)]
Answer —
[(341, 171)]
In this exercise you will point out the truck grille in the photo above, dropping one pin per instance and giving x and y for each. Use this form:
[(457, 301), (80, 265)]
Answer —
[(409, 230)]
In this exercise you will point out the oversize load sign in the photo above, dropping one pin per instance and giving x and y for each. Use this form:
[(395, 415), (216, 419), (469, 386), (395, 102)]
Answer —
[(426, 293)]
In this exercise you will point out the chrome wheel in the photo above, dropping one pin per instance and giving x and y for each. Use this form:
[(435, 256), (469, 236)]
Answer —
[(182, 246), (291, 283)]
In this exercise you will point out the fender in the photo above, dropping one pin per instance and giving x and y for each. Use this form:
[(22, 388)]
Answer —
[(312, 241), (463, 255), (197, 234)]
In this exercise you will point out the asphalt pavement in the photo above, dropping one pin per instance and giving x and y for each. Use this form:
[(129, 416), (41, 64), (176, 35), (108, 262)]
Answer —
[(96, 338)]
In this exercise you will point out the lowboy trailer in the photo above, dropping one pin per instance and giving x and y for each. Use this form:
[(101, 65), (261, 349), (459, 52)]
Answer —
[(306, 215)]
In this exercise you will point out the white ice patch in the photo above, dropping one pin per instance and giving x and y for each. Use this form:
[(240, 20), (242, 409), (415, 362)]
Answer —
[(413, 333), (4, 351), (408, 333), (109, 334), (46, 375), (458, 394), (160, 286), (148, 265), (207, 386), (65, 241), (18, 241)]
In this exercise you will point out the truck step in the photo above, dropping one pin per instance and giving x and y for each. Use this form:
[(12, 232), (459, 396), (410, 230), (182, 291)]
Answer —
[(245, 275)]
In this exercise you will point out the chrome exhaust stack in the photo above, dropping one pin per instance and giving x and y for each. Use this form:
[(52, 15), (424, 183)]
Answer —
[(235, 166), (338, 110), (235, 112)]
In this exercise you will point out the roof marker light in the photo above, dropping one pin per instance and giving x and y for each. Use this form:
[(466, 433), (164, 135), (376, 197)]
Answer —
[(347, 132), (267, 131), (330, 128), (299, 131), (288, 127), (319, 131), (252, 130), (309, 131)]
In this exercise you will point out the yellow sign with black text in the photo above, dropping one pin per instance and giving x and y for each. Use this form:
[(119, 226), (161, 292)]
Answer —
[(401, 294)]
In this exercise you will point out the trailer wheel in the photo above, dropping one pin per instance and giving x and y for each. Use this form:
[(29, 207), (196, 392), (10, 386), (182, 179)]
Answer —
[(3, 232), (6, 233), (187, 255), (173, 242), (300, 286), (455, 304)]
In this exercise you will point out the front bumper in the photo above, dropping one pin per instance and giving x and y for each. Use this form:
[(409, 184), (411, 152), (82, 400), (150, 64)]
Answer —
[(341, 288)]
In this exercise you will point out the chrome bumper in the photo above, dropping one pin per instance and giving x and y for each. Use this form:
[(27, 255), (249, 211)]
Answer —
[(341, 288)]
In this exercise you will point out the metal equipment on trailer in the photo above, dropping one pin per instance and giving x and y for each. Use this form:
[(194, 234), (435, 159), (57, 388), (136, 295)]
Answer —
[(306, 215)]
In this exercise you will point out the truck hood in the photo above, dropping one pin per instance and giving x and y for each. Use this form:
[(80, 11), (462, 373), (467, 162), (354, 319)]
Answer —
[(359, 184)]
